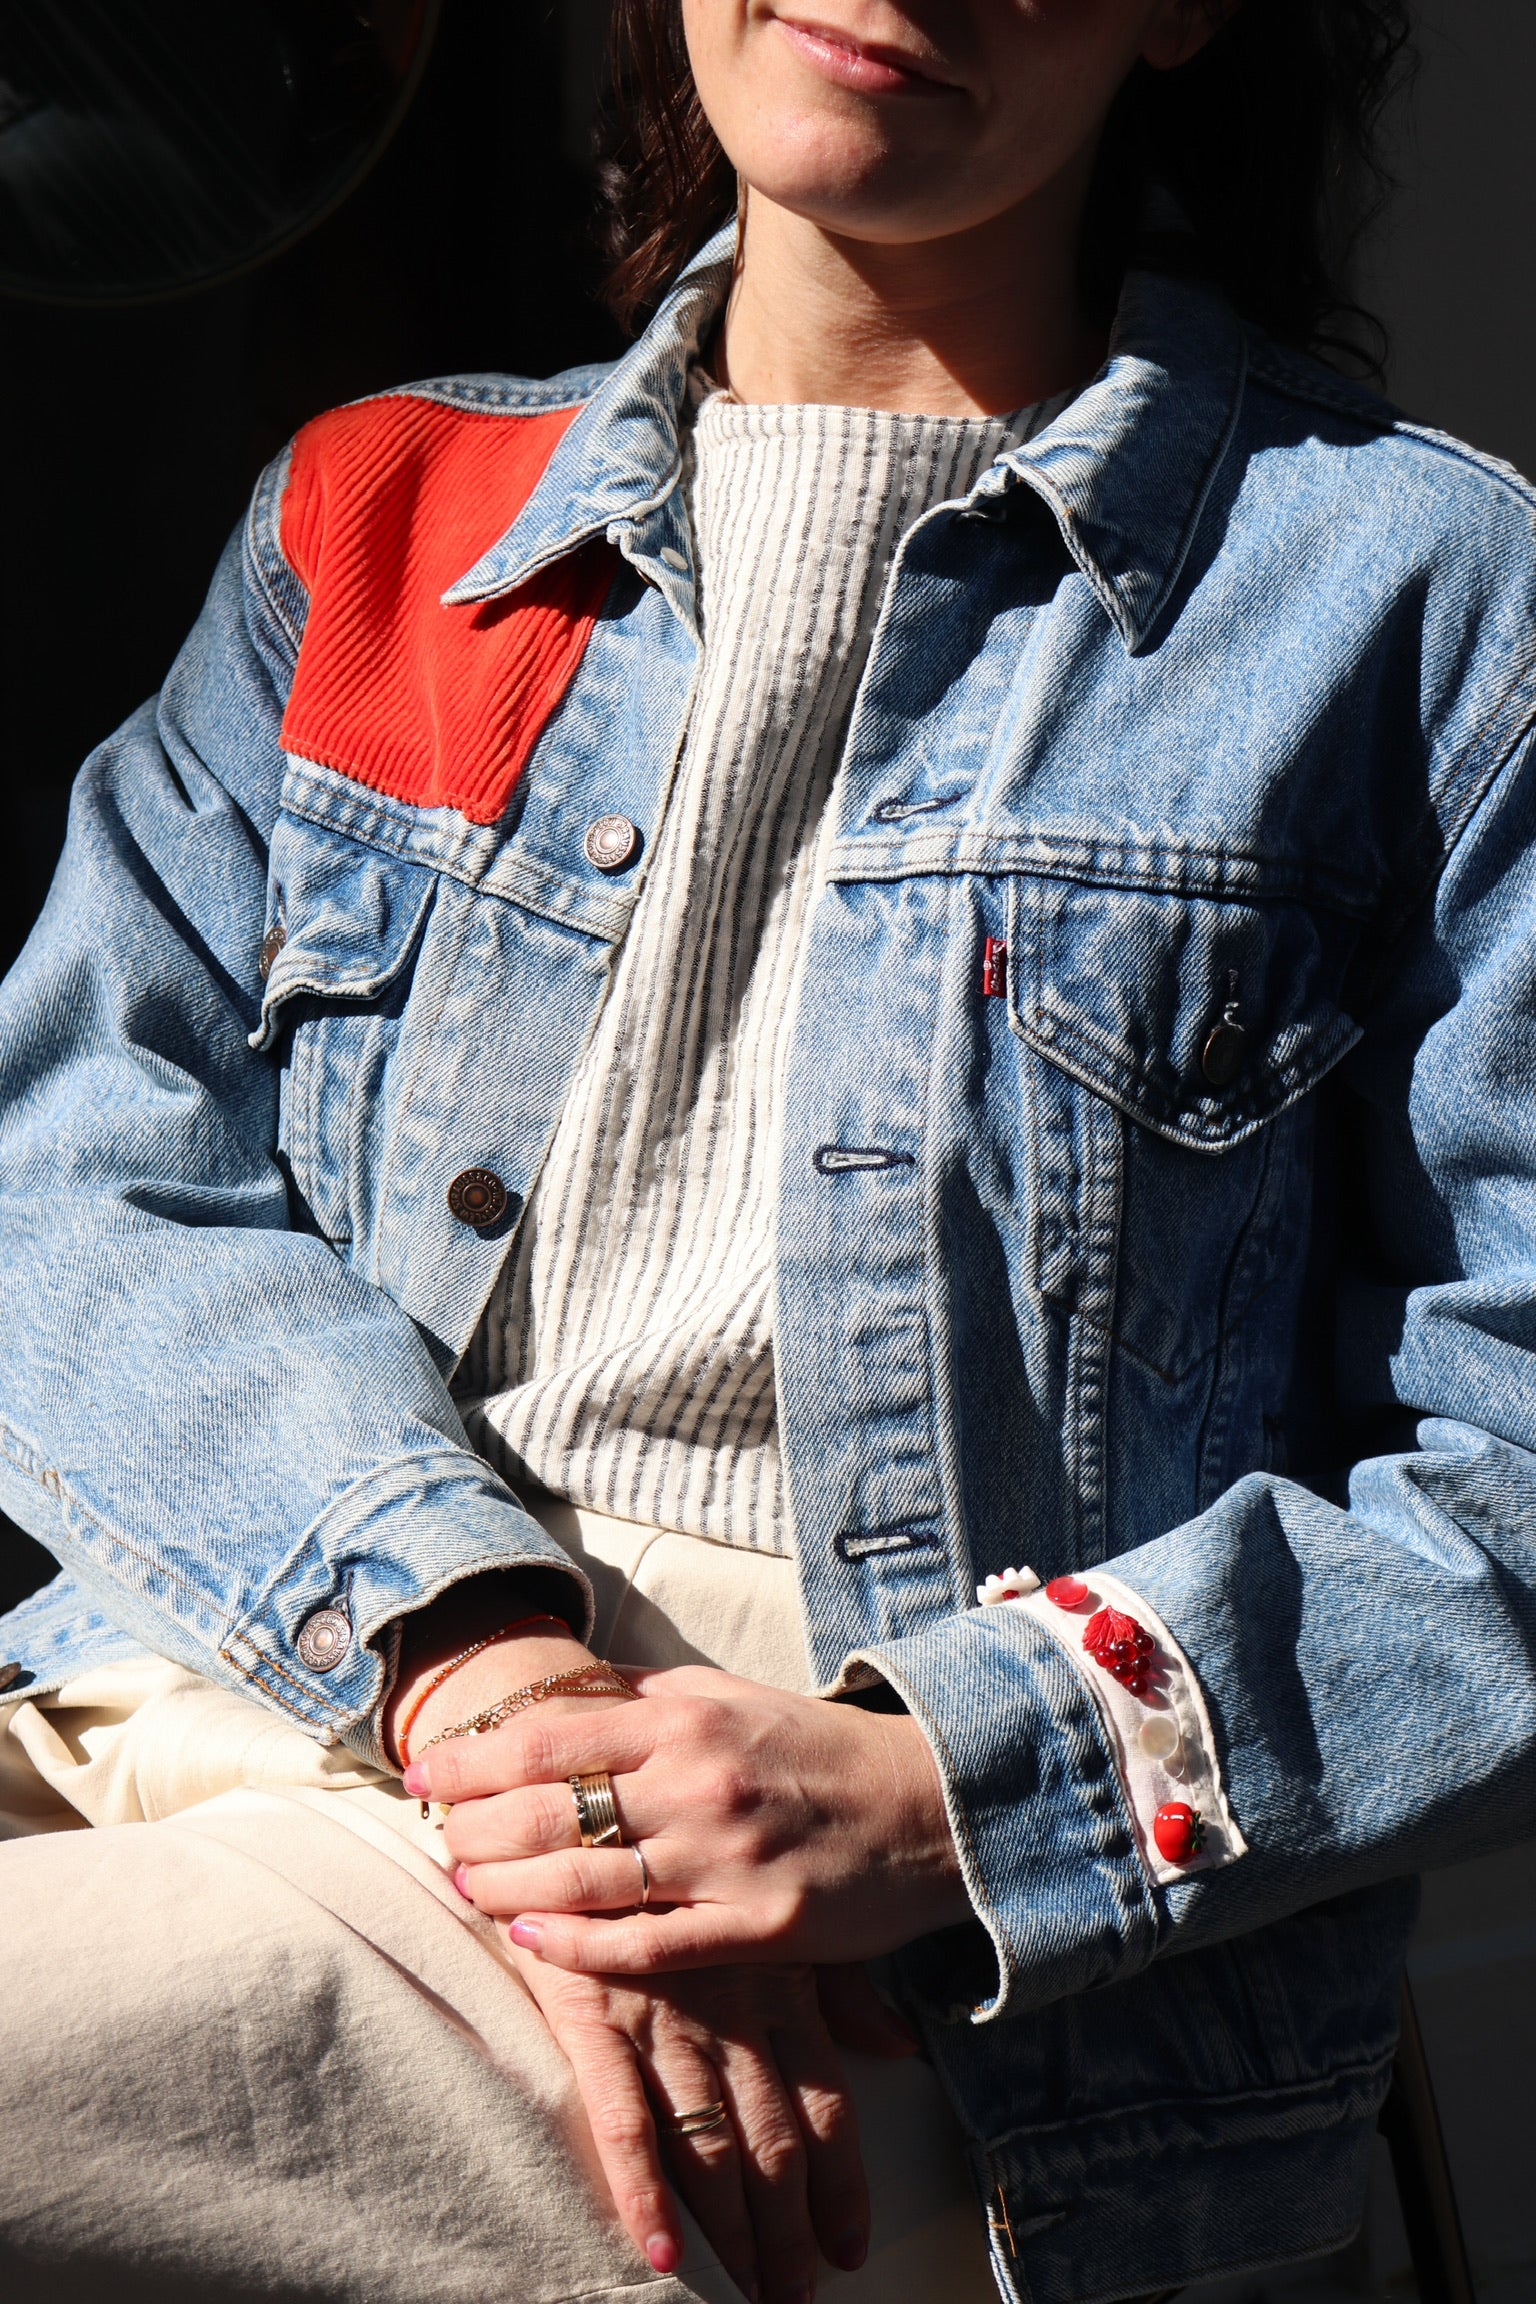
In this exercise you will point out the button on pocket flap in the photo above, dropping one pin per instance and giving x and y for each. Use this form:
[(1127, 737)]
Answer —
[(1200, 1018), (342, 920)]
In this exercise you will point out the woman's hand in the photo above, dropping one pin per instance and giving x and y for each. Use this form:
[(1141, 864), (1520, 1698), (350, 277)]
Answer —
[(774, 1826), (783, 2172)]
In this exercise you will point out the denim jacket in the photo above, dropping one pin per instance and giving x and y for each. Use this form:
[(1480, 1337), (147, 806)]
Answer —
[(1197, 1243)]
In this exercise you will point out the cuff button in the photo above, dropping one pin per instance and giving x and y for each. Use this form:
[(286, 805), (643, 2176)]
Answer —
[(324, 1639)]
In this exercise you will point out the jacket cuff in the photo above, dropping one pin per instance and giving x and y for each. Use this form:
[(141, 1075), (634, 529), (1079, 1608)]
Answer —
[(1153, 1709), (320, 1642), (1041, 1821)]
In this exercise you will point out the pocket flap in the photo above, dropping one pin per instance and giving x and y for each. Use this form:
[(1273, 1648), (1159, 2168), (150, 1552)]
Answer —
[(1200, 1018), (342, 919)]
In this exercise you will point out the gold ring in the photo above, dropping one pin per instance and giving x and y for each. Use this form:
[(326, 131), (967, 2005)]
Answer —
[(597, 1819), (645, 1875), (701, 2123)]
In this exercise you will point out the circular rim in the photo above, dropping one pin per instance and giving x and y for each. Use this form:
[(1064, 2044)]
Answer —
[(15, 291)]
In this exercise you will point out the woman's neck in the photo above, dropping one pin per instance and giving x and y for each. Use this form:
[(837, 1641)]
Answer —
[(975, 324)]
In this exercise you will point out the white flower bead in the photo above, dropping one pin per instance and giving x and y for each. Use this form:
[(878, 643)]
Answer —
[(1013, 1584)]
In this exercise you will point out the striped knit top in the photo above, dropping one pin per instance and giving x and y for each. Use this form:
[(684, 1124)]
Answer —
[(626, 1360)]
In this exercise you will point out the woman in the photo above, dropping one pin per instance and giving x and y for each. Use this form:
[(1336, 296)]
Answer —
[(724, 1000)]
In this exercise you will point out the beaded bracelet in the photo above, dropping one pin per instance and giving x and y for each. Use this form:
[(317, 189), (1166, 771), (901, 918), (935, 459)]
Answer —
[(518, 1624)]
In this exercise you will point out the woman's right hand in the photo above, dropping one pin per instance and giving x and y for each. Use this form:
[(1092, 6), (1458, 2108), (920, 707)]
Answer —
[(783, 2173)]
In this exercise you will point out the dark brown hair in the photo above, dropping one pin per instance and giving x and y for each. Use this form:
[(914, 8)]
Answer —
[(1267, 141)]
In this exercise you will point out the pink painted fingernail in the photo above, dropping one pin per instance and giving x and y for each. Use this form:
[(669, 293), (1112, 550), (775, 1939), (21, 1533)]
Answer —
[(418, 1780), (530, 1935), (461, 1881), (664, 2252)]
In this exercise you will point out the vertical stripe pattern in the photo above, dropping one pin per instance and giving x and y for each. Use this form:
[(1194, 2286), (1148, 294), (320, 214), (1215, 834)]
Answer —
[(626, 1359)]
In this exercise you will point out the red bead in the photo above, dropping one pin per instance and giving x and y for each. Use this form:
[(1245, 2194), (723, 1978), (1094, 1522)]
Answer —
[(1112, 1637), (1067, 1591), (1178, 1831)]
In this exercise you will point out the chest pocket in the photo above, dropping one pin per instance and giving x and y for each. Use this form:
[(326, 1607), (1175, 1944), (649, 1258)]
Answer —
[(1171, 1034), (344, 927)]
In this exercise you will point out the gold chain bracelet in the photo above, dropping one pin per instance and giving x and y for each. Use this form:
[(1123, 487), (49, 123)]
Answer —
[(586, 1680)]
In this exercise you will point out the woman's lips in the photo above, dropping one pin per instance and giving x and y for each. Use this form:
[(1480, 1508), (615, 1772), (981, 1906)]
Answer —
[(873, 69)]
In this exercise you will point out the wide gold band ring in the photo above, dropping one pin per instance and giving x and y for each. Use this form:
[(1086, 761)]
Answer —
[(597, 1819), (701, 2123)]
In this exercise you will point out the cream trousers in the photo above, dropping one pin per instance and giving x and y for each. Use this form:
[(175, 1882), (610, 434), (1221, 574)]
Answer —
[(254, 2045)]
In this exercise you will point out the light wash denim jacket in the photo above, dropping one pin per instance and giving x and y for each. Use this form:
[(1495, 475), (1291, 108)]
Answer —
[(1218, 692)]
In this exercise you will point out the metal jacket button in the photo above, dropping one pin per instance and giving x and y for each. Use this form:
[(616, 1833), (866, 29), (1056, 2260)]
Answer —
[(271, 944), (324, 1639), (611, 843), (477, 1196), (8, 1673)]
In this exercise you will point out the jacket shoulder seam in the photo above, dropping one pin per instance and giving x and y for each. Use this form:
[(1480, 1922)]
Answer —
[(1313, 385)]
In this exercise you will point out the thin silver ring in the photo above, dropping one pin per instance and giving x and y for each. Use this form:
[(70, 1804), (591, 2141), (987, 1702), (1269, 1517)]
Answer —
[(645, 1875), (597, 1819)]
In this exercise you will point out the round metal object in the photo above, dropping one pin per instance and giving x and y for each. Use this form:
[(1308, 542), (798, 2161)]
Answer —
[(611, 843), (152, 147), (478, 1197), (1222, 1057), (271, 944), (324, 1639)]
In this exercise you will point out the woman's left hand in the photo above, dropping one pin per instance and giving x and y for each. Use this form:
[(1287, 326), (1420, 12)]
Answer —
[(774, 1826)]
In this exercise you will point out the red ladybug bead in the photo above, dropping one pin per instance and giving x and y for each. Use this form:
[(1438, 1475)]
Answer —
[(1178, 1831), (1067, 1591)]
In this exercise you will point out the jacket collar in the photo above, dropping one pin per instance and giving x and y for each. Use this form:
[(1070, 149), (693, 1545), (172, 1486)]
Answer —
[(1129, 463), (1126, 469), (620, 460)]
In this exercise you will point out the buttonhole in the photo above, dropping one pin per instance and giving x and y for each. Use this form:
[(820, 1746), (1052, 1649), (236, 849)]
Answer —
[(834, 1159), (865, 1544), (892, 811)]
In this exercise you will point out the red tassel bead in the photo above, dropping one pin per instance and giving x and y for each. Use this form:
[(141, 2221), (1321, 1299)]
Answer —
[(1178, 1831), (1124, 1649)]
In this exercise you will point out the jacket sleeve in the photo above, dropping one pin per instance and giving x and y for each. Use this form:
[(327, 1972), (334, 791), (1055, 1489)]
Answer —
[(217, 1427), (1368, 1662)]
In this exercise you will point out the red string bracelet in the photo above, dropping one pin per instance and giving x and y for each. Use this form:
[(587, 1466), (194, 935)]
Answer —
[(518, 1624)]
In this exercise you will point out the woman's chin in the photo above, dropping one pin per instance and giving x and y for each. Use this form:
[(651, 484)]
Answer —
[(881, 213)]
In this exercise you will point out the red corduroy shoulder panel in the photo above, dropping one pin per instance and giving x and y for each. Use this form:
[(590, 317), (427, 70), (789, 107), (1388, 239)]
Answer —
[(387, 504)]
